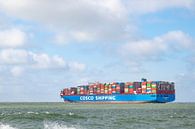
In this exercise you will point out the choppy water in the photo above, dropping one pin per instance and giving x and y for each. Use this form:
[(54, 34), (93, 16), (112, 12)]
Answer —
[(94, 116)]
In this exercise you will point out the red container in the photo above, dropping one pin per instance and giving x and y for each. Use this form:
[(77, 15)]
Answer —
[(131, 91), (85, 92), (129, 83), (109, 89), (102, 89), (117, 87), (113, 91), (98, 91), (66, 91), (101, 86), (139, 91)]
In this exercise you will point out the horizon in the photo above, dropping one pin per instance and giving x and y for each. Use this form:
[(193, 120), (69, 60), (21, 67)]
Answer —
[(47, 46)]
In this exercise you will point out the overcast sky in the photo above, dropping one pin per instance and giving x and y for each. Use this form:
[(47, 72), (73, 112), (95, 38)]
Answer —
[(46, 45)]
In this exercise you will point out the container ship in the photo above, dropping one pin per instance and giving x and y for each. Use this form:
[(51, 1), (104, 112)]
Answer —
[(121, 92)]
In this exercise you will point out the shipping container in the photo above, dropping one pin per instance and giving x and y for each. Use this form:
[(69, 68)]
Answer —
[(136, 85)]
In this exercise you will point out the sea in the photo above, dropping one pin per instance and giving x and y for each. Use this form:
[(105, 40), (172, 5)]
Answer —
[(97, 116)]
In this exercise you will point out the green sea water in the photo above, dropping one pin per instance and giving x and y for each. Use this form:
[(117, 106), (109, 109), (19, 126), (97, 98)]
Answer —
[(97, 116)]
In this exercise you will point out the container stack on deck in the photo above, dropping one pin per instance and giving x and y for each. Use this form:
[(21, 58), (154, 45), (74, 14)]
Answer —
[(146, 87)]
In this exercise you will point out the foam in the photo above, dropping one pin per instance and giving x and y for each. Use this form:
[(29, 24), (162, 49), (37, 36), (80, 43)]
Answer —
[(6, 126), (54, 125), (32, 112), (70, 114)]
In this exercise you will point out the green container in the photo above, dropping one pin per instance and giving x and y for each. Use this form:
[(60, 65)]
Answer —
[(131, 86), (85, 87), (148, 84), (78, 91)]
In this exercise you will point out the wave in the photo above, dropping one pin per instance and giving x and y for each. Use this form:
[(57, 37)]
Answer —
[(32, 112), (55, 125), (6, 126), (70, 113)]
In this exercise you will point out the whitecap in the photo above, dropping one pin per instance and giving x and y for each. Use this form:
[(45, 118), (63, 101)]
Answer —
[(54, 125), (46, 112), (70, 113), (30, 112), (33, 113), (171, 116), (6, 126)]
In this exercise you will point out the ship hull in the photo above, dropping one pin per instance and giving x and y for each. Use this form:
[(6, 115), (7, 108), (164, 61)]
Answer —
[(120, 98)]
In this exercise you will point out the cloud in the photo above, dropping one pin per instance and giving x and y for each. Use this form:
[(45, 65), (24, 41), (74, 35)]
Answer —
[(80, 21), (76, 66), (17, 71), (18, 60), (44, 61), (86, 20), (76, 36), (173, 41), (14, 57), (140, 7), (12, 38)]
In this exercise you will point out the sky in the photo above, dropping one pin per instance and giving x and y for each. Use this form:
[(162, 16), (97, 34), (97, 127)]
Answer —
[(47, 45)]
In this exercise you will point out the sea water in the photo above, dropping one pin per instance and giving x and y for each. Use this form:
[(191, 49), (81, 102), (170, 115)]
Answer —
[(97, 116)]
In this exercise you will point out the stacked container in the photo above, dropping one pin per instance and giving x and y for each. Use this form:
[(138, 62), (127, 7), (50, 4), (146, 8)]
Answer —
[(66, 91), (154, 87), (81, 90), (110, 89), (113, 88), (73, 91), (122, 86), (101, 89), (98, 88), (78, 90), (172, 88), (118, 88), (144, 87), (95, 89), (131, 88), (91, 88), (85, 90), (106, 86), (149, 87), (126, 88), (139, 90), (137, 87)]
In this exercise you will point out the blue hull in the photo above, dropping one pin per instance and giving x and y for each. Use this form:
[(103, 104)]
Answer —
[(158, 98)]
